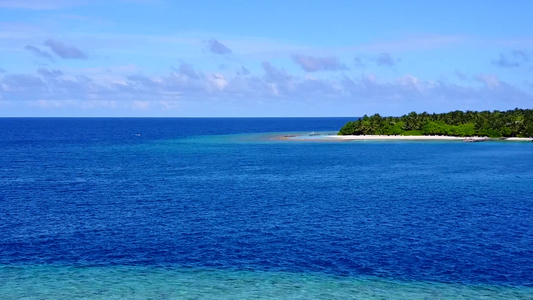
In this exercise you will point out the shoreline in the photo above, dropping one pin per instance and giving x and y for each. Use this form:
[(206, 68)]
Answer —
[(330, 137), (400, 137)]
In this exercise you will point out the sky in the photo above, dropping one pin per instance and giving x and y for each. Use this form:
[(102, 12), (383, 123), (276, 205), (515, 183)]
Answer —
[(290, 58)]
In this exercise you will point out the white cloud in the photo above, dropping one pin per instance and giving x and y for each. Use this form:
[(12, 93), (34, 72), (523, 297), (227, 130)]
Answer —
[(490, 81), (313, 64), (141, 105), (218, 81), (217, 47)]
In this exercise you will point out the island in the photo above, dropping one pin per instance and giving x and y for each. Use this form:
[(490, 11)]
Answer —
[(511, 124)]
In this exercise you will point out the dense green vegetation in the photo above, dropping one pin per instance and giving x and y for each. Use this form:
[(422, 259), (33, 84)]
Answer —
[(511, 123)]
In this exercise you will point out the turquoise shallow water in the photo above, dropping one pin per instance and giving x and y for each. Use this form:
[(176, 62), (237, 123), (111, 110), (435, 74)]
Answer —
[(60, 282)]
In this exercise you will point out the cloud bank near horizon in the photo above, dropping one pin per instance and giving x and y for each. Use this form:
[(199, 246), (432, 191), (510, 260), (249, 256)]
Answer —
[(184, 85)]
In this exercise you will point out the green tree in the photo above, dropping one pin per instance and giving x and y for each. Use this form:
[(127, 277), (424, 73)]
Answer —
[(517, 122)]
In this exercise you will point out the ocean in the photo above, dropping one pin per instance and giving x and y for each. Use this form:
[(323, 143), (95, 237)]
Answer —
[(219, 208)]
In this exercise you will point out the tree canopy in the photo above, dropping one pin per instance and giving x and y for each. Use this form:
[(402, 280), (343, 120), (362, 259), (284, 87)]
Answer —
[(511, 123)]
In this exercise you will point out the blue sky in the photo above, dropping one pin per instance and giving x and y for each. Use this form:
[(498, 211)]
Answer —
[(263, 58)]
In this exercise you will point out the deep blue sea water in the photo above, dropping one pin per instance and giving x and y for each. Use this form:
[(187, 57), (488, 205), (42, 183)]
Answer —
[(177, 208)]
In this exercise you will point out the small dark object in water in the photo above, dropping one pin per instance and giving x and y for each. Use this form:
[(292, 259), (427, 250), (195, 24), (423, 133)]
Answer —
[(474, 140)]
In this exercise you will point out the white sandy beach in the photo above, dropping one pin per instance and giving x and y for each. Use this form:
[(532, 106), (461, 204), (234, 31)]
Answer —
[(400, 138), (517, 139), (424, 138), (397, 137)]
